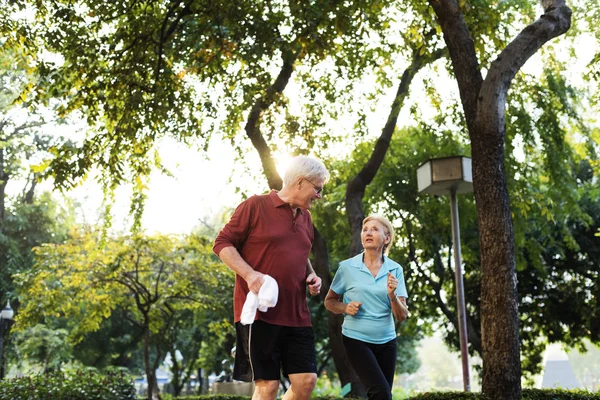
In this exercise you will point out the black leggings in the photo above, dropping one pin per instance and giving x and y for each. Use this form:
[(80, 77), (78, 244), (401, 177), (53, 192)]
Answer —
[(374, 364)]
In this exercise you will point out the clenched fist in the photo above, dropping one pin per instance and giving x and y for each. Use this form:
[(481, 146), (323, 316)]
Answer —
[(352, 307), (392, 284)]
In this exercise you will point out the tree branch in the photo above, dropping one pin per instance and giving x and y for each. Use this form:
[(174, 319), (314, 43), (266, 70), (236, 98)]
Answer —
[(356, 187), (462, 53), (254, 120), (492, 97)]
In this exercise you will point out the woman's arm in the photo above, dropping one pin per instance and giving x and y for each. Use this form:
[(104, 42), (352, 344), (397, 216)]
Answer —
[(399, 308), (333, 304)]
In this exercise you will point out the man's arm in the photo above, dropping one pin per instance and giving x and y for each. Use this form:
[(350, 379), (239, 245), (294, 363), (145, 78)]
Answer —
[(232, 258)]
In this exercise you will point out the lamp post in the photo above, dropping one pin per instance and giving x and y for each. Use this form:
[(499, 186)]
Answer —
[(6, 316), (449, 176)]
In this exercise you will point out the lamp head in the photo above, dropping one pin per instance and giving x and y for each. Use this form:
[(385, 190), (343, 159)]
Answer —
[(7, 312)]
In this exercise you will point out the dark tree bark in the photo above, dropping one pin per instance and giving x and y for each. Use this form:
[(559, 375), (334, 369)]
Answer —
[(255, 118), (3, 181), (484, 105), (29, 193)]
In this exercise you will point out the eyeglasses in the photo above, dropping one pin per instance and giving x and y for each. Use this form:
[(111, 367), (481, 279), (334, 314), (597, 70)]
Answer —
[(318, 189)]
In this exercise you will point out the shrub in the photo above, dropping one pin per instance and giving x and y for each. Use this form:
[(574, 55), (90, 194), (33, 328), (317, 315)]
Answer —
[(71, 386), (528, 394)]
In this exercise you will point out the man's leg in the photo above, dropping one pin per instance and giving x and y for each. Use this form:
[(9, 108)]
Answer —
[(301, 386), (257, 358), (265, 390), (299, 362)]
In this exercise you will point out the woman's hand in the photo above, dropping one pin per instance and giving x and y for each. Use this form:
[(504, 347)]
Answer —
[(352, 307), (392, 284)]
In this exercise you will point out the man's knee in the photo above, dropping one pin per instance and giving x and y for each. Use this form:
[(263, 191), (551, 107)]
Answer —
[(265, 390), (304, 384)]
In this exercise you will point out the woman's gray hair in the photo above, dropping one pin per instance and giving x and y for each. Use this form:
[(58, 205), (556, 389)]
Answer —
[(305, 167), (389, 229)]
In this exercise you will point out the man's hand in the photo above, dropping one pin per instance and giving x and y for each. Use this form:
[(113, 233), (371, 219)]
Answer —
[(255, 280), (314, 284)]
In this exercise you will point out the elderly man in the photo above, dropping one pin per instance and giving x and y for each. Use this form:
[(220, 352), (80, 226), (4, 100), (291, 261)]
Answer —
[(272, 235)]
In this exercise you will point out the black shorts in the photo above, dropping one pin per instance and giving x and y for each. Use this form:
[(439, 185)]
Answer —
[(263, 350)]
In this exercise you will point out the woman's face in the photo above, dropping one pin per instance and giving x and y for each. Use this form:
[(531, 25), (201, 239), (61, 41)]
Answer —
[(373, 235)]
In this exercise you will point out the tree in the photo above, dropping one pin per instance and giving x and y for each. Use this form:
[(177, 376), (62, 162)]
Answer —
[(138, 57), (44, 346), (133, 76), (155, 279), (484, 105), (552, 241)]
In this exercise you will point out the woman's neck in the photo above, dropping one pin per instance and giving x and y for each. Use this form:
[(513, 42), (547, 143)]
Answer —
[(373, 259)]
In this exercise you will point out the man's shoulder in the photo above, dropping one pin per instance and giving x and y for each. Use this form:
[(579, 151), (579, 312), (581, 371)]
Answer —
[(256, 199)]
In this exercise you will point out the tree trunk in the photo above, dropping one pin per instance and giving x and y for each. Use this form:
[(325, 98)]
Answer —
[(148, 366), (29, 194), (3, 182), (499, 318), (484, 105), (177, 382), (355, 190), (252, 127)]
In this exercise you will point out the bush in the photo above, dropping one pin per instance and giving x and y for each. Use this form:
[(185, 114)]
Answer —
[(71, 386), (528, 394)]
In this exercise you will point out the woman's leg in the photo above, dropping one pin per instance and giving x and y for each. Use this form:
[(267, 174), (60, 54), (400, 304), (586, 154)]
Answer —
[(365, 363), (386, 358)]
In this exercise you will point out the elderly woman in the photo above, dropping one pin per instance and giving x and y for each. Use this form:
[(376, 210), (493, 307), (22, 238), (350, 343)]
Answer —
[(368, 289)]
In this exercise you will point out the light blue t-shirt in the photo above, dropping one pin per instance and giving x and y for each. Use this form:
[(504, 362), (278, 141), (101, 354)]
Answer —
[(374, 322)]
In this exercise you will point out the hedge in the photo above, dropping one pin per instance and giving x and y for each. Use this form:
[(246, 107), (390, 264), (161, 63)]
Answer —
[(527, 394), (71, 386)]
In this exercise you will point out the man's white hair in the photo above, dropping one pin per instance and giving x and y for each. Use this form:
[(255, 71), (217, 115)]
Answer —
[(305, 167)]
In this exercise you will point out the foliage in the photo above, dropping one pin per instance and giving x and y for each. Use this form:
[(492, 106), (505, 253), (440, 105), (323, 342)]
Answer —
[(528, 394), (154, 282), (140, 70), (72, 386), (117, 342), (46, 347), (143, 70), (424, 244)]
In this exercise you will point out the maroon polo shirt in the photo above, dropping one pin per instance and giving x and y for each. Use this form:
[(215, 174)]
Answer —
[(274, 242)]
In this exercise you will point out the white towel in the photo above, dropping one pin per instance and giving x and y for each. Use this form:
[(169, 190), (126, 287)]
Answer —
[(267, 297)]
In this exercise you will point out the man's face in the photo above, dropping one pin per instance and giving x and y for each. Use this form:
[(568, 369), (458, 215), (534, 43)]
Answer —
[(311, 190)]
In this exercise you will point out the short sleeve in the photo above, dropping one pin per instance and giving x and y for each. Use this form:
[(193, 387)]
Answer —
[(401, 289), (236, 231), (338, 285)]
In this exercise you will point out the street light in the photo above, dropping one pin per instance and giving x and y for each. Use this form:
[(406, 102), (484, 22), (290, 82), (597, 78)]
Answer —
[(5, 320), (449, 176)]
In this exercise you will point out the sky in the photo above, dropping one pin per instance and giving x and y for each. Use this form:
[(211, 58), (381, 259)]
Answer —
[(176, 204)]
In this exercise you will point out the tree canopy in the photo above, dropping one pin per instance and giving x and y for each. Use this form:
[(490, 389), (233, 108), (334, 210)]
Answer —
[(290, 77)]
